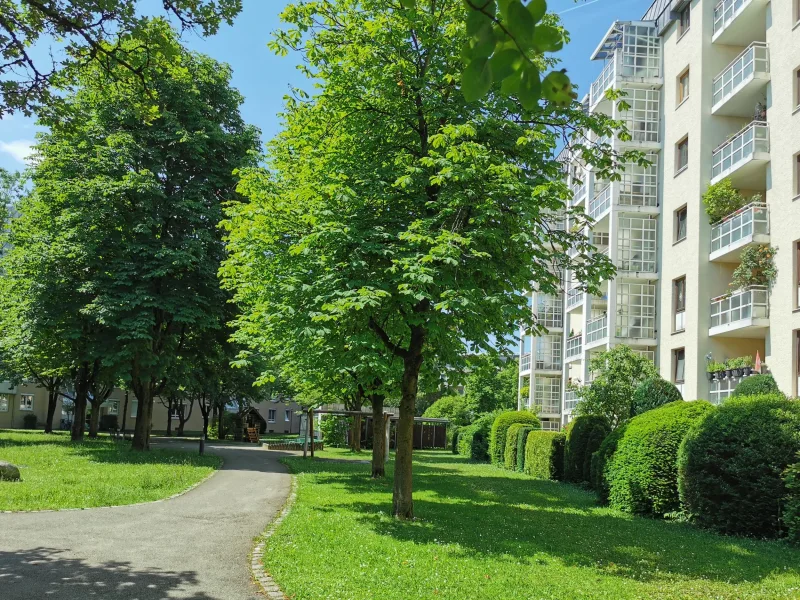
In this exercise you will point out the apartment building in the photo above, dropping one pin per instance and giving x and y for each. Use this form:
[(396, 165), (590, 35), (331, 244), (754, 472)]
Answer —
[(714, 94)]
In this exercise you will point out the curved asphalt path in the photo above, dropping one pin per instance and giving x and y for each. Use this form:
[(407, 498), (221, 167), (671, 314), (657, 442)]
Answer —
[(193, 547)]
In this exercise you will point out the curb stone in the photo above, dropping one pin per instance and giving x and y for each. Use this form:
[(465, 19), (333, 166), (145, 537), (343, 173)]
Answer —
[(257, 567)]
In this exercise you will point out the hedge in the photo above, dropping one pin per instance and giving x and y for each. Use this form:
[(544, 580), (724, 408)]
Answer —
[(791, 513), (497, 439), (756, 385), (730, 465), (510, 456), (522, 439), (544, 454), (642, 475), (584, 436), (652, 393), (473, 440), (454, 439), (600, 459)]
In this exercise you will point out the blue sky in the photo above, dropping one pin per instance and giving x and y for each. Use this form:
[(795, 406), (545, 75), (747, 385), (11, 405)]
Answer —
[(264, 78)]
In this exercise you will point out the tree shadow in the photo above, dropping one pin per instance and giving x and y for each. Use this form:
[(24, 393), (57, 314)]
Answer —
[(45, 572)]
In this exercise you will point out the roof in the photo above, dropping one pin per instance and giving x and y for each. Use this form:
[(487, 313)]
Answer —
[(610, 42)]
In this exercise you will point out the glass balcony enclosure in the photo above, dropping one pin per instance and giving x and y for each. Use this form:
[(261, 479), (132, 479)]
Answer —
[(547, 395), (738, 88), (601, 200), (597, 329), (638, 185), (746, 225), (743, 309), (548, 353), (574, 297), (732, 157), (549, 311), (570, 400), (736, 21), (642, 118), (525, 362), (574, 347), (637, 244), (636, 310)]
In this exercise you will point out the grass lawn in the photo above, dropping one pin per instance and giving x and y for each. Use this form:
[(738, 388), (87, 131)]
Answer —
[(486, 533), (102, 472)]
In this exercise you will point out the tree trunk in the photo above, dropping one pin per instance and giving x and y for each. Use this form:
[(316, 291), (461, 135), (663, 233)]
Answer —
[(141, 433), (52, 400), (169, 416), (311, 429), (220, 424), (355, 433), (378, 437), (124, 414), (402, 501), (94, 420), (81, 395)]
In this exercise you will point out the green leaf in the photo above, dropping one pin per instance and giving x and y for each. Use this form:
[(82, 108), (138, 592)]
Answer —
[(505, 63), (409, 4), (547, 38), (478, 24), (520, 23), (476, 80), (511, 84), (537, 8), (530, 88)]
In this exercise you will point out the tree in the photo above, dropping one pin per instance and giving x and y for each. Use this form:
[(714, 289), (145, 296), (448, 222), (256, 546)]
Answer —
[(394, 206), (88, 32), (453, 408), (139, 202), (618, 373), (491, 386)]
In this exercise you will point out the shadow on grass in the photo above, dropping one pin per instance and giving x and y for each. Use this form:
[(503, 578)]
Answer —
[(46, 572), (526, 521)]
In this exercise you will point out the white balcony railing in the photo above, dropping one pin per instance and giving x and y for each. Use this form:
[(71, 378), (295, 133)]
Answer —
[(571, 400), (604, 81), (754, 59), (596, 329), (525, 362), (741, 305), (578, 188), (600, 202), (725, 11), (551, 425), (741, 146), (574, 346), (574, 297), (745, 222)]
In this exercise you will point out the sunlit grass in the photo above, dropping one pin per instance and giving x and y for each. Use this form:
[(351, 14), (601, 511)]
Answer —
[(59, 474), (486, 533)]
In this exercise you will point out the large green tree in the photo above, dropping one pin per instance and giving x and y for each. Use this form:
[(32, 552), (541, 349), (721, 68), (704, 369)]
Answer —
[(395, 206), (491, 385)]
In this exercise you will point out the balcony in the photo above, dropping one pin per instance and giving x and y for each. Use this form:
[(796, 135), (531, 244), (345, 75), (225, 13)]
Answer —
[(746, 227), (574, 347), (742, 83), (600, 202), (737, 21), (574, 298), (579, 188), (604, 81), (596, 330), (525, 362), (743, 314), (743, 158), (551, 425), (570, 400)]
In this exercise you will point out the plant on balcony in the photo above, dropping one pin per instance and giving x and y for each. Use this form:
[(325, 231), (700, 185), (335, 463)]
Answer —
[(757, 267), (722, 199), (713, 368)]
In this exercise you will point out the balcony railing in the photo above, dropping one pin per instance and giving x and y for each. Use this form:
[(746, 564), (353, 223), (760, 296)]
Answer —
[(551, 425), (742, 146), (754, 59), (574, 346), (600, 202), (597, 329), (578, 188), (745, 222), (574, 297), (525, 362), (749, 303), (548, 360), (571, 400), (725, 11), (604, 81)]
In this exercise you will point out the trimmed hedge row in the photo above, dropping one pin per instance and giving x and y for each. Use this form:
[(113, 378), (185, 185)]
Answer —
[(473, 440), (731, 465), (522, 439), (544, 454), (584, 436), (510, 456), (791, 512), (641, 476), (497, 439)]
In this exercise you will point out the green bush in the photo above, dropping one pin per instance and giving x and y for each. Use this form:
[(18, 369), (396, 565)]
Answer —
[(334, 430), (584, 436), (473, 440), (756, 385), (730, 465), (453, 408), (454, 439), (642, 475), (722, 199), (497, 438), (510, 452), (29, 422), (791, 512), (544, 454), (522, 438), (652, 393), (600, 459)]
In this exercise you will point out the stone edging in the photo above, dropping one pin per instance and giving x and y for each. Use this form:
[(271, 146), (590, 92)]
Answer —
[(178, 495), (262, 578)]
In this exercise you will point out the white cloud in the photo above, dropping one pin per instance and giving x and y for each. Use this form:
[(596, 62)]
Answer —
[(19, 149)]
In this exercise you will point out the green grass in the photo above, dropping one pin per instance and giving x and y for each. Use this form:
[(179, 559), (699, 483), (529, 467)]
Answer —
[(486, 533), (59, 474)]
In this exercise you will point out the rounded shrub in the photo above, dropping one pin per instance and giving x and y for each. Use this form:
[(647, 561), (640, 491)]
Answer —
[(584, 436), (652, 393), (600, 460), (497, 438), (791, 512), (730, 465), (473, 440), (510, 453), (756, 385), (522, 438), (641, 476), (544, 454)]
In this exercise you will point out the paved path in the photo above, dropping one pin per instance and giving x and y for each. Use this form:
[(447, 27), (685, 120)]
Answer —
[(193, 547)]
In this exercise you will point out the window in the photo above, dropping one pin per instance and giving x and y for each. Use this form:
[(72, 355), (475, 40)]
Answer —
[(797, 11), (5, 400), (176, 411), (679, 304), (684, 20), (287, 416), (113, 407), (271, 415), (26, 402), (797, 273), (683, 86), (134, 408), (678, 367), (682, 155), (797, 84), (681, 216), (797, 174)]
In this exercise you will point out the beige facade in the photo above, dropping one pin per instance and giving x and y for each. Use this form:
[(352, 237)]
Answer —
[(714, 91)]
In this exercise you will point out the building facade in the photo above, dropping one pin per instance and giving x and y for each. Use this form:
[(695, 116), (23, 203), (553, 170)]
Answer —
[(713, 93)]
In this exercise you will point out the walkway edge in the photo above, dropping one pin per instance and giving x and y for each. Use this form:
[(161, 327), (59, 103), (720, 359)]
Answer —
[(257, 567)]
